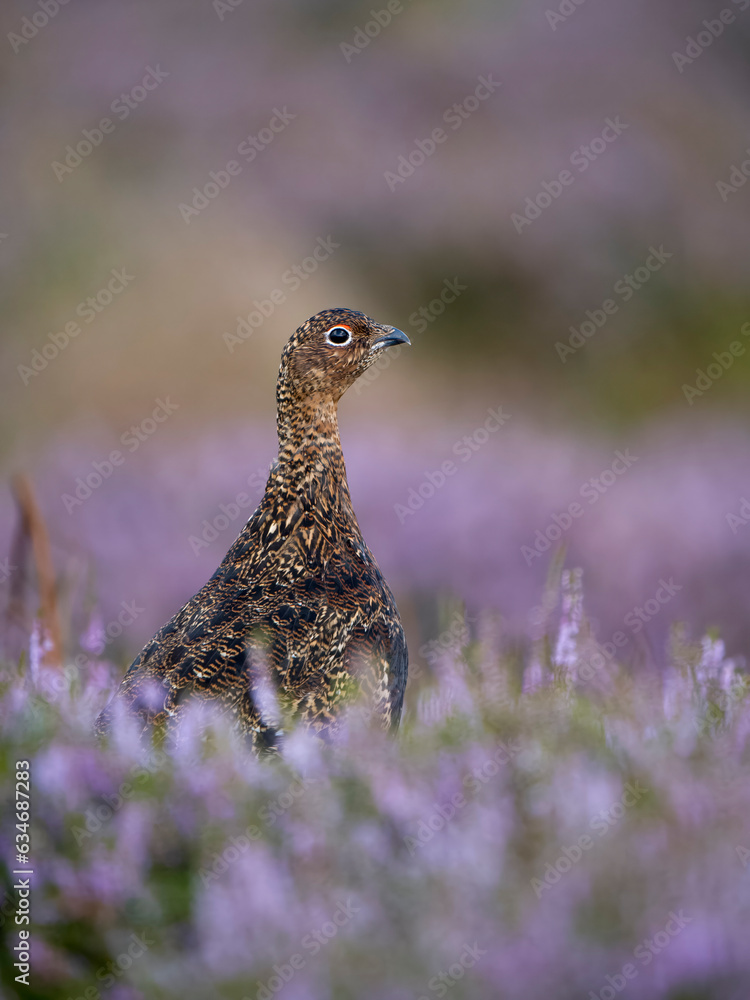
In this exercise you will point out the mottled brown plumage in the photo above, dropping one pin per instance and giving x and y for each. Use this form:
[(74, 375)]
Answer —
[(298, 605)]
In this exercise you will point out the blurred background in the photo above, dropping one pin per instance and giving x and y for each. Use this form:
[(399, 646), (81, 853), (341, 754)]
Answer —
[(184, 184)]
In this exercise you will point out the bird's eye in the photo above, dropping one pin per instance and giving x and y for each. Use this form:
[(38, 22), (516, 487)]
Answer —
[(339, 336)]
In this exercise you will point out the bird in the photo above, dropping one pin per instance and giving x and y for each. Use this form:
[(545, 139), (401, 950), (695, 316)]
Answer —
[(297, 620)]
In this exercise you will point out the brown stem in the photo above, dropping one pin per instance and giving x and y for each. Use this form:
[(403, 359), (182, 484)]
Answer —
[(33, 526)]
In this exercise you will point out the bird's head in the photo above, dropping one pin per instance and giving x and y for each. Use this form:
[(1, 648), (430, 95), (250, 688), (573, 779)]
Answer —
[(329, 352)]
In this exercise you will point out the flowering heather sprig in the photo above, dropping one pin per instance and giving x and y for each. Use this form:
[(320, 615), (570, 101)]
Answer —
[(40, 645), (566, 651)]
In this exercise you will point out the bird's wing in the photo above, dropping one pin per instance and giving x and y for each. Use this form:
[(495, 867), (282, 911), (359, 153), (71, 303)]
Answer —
[(377, 657)]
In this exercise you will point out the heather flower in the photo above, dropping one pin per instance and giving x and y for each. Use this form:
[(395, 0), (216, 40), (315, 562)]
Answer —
[(40, 644), (566, 651)]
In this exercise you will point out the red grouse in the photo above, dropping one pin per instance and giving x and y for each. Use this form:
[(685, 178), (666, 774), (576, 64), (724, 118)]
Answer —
[(299, 606)]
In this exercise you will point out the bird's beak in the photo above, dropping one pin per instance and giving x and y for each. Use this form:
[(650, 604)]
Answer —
[(391, 337)]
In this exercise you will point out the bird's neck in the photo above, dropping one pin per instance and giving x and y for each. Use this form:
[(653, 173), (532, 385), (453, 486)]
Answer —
[(309, 443)]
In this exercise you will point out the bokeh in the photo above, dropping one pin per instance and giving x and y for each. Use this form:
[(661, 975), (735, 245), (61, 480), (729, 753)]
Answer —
[(551, 199), (492, 288)]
